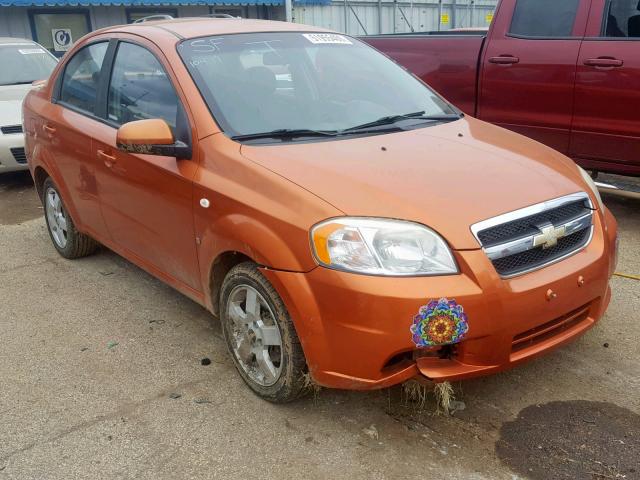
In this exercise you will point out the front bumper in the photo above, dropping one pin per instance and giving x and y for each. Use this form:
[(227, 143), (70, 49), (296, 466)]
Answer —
[(355, 333), (11, 145)]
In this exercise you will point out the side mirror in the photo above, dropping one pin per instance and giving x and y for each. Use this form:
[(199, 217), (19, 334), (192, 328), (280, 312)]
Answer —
[(150, 137)]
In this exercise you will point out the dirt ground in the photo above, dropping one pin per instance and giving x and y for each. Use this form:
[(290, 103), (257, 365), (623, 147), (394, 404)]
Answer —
[(101, 376)]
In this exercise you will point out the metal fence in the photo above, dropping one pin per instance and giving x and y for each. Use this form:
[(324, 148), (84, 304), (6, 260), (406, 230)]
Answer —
[(370, 17)]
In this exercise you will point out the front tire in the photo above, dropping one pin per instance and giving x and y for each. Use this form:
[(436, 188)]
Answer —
[(65, 238), (260, 335)]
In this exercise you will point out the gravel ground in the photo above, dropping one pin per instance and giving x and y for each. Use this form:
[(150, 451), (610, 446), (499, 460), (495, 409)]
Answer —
[(101, 376)]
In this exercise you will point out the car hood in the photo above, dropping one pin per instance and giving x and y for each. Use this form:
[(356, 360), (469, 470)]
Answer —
[(11, 97), (447, 177)]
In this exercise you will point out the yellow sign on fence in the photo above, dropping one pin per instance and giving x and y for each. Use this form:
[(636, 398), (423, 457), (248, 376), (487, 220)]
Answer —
[(489, 17), (444, 19)]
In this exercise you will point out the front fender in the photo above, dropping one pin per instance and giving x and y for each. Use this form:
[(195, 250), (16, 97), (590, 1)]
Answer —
[(242, 207), (242, 234)]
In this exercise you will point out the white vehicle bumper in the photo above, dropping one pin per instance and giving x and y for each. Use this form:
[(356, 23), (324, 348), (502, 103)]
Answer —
[(12, 157)]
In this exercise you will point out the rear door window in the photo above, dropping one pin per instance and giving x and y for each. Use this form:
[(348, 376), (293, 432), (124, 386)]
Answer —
[(544, 18), (81, 76), (622, 19), (140, 88)]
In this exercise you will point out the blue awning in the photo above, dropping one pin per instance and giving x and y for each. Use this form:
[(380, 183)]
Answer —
[(142, 3)]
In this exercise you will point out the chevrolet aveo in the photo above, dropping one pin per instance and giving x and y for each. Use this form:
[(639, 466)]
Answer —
[(345, 223)]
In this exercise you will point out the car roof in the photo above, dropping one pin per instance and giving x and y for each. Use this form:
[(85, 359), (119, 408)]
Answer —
[(9, 40), (184, 28)]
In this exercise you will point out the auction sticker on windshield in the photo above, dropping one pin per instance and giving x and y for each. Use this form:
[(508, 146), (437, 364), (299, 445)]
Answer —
[(327, 38), (30, 51)]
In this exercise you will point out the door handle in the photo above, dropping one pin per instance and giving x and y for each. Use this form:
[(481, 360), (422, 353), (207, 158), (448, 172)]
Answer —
[(504, 60), (49, 129), (108, 160), (604, 62)]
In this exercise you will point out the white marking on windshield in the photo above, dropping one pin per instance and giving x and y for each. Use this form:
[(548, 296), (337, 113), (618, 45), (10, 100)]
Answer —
[(327, 38)]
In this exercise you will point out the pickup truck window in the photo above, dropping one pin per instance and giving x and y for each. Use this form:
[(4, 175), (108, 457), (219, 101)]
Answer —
[(255, 83), (544, 18), (623, 19)]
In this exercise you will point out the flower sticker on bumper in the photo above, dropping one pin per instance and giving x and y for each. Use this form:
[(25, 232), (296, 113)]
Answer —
[(440, 322)]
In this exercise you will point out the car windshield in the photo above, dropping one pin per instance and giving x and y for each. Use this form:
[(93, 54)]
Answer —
[(306, 82), (27, 61)]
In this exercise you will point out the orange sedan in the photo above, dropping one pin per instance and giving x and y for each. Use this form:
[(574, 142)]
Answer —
[(344, 221)]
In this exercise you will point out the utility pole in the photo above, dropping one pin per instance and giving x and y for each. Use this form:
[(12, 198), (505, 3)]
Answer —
[(395, 7), (454, 11), (288, 10), (346, 16), (379, 16), (439, 15)]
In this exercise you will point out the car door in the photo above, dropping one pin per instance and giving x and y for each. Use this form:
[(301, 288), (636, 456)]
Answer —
[(606, 126), (529, 68), (66, 135), (147, 200)]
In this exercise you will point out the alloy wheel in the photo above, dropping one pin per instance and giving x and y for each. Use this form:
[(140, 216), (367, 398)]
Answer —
[(256, 340), (56, 217)]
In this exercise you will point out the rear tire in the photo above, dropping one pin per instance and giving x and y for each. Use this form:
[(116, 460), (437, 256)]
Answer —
[(260, 335), (65, 238)]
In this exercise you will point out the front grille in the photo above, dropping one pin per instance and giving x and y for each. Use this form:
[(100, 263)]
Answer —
[(522, 227), (531, 259), (550, 329), (9, 129), (536, 236), (19, 154)]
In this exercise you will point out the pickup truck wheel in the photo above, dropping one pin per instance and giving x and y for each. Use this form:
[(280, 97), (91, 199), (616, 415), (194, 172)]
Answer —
[(260, 335), (66, 239)]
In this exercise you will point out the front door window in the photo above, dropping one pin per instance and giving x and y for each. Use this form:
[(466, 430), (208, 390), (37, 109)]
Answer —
[(139, 88)]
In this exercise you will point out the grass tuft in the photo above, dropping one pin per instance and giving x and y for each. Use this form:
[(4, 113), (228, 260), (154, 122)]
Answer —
[(311, 386), (417, 393), (444, 397)]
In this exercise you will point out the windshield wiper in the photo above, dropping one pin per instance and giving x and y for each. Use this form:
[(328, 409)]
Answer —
[(15, 83), (392, 119), (286, 133)]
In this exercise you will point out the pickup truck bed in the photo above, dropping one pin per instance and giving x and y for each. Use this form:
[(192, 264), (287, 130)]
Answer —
[(564, 73), (448, 63)]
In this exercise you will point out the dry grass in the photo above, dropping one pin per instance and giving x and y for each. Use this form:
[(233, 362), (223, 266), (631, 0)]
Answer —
[(311, 386), (444, 396), (417, 393)]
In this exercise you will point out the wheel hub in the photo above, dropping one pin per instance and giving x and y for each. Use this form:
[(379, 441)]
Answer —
[(255, 336), (56, 217)]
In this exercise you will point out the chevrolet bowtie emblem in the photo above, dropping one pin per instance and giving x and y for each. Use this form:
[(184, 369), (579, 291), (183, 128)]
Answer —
[(549, 236)]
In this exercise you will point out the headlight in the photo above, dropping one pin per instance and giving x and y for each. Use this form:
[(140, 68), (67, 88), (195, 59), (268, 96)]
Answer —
[(381, 247), (587, 178)]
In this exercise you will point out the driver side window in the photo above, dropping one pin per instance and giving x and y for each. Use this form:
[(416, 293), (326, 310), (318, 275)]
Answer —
[(139, 88)]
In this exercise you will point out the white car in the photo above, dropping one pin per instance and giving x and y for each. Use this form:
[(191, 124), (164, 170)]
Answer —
[(21, 63)]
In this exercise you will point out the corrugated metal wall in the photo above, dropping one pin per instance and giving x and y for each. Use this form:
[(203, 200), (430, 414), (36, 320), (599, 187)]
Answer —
[(376, 17), (14, 21), (373, 17)]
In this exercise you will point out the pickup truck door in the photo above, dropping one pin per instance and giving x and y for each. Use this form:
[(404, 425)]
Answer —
[(606, 126), (529, 68), (147, 200)]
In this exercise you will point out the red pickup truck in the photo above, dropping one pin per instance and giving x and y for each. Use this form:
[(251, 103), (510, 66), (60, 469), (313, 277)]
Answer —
[(563, 72)]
